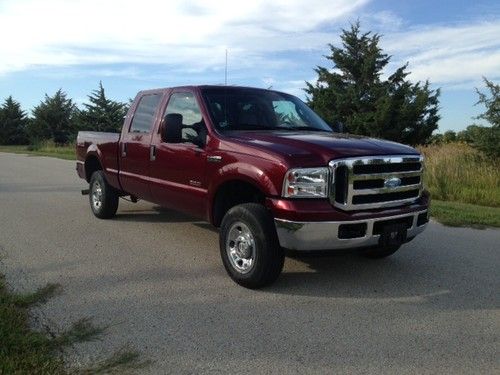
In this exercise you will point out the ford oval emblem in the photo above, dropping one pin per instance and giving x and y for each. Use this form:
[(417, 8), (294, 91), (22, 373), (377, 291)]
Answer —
[(392, 182)]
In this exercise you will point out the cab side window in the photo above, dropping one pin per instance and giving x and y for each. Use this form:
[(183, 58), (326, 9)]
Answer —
[(144, 115), (185, 104)]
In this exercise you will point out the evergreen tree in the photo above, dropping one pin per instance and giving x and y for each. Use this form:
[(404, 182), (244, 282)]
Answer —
[(53, 119), (486, 138), (492, 103), (101, 113), (353, 93), (13, 122)]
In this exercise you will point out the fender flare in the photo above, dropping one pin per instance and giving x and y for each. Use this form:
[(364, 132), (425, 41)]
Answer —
[(240, 172)]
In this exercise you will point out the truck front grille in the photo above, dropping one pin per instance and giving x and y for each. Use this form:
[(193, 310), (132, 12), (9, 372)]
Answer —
[(375, 181)]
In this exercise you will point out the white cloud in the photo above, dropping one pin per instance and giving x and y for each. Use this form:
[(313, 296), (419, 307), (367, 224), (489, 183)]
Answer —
[(191, 37), (451, 55), (190, 34), (459, 68), (381, 22)]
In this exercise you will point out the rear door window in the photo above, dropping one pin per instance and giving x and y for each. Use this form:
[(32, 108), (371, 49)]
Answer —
[(144, 115)]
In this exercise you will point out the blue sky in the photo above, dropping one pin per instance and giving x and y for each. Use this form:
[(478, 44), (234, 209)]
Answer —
[(132, 45)]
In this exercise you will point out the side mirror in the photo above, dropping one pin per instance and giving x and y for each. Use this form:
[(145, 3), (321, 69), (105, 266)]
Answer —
[(172, 128)]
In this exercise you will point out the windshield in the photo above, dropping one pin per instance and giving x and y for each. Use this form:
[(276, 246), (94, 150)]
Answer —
[(233, 108)]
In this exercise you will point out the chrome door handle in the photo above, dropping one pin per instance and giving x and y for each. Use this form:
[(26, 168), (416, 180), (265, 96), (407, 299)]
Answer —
[(152, 153), (214, 158)]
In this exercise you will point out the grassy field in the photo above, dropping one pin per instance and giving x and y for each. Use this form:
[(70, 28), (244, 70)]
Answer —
[(44, 149), (464, 185), (458, 173)]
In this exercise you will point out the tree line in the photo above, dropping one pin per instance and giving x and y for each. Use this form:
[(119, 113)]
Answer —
[(352, 91), (483, 138), (356, 90), (59, 119)]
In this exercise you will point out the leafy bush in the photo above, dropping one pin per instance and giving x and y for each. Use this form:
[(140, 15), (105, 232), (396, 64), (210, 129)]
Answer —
[(483, 138)]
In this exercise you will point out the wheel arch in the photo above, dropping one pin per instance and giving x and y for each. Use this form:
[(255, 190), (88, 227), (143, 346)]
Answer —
[(92, 164), (231, 193)]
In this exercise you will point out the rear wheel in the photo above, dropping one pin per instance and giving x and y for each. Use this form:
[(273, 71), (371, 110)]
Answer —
[(249, 246), (103, 197)]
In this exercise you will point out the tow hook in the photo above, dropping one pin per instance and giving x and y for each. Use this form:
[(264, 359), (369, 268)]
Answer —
[(85, 192)]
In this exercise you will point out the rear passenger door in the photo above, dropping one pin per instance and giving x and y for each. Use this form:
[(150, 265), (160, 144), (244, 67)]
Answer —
[(134, 146)]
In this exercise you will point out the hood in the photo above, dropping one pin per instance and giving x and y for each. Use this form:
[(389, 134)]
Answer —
[(308, 146)]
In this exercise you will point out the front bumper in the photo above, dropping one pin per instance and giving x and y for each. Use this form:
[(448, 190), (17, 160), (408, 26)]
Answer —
[(333, 235)]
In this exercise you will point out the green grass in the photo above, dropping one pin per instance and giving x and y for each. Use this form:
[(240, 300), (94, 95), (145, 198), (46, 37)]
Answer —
[(45, 149), (26, 351), (464, 185), (456, 172), (22, 350), (464, 214)]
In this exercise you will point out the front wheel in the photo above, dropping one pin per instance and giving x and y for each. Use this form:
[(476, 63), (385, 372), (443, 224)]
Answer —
[(249, 246), (103, 197)]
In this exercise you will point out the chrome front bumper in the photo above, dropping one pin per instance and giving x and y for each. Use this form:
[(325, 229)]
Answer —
[(324, 235)]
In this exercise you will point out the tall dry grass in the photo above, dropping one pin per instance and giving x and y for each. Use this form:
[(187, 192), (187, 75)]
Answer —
[(457, 172)]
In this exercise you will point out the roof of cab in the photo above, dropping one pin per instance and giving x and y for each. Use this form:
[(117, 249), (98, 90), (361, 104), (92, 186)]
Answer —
[(194, 87)]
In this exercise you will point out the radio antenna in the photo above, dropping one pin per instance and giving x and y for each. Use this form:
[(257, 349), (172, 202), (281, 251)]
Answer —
[(225, 71)]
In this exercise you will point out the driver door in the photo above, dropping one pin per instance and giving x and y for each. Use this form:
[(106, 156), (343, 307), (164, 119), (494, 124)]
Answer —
[(178, 170)]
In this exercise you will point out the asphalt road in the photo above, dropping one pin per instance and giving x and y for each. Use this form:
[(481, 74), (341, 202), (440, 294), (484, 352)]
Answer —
[(156, 278)]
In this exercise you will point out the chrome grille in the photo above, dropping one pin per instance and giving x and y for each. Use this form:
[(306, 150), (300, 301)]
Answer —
[(375, 181)]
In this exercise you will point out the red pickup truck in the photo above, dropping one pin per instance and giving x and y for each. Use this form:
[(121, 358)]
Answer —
[(264, 168)]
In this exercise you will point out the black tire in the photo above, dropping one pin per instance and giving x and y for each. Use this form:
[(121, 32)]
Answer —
[(379, 252), (103, 197), (267, 257)]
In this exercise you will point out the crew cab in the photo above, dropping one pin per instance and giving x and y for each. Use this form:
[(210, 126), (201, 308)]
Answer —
[(262, 167)]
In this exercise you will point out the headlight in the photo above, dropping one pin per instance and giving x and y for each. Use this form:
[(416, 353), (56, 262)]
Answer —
[(306, 183)]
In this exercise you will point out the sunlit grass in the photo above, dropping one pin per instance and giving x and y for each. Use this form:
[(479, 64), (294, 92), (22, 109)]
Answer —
[(456, 172)]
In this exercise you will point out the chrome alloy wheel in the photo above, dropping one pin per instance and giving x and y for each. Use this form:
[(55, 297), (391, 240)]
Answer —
[(240, 247), (97, 195)]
